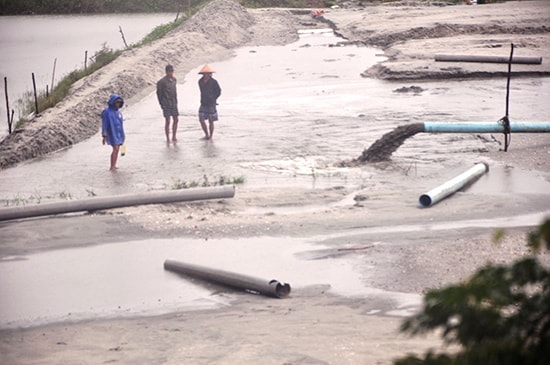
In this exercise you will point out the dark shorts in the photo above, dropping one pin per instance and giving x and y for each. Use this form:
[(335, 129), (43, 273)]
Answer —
[(208, 113), (170, 111)]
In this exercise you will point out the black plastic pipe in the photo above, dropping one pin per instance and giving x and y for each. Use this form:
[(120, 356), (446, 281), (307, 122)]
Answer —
[(271, 288), (488, 59)]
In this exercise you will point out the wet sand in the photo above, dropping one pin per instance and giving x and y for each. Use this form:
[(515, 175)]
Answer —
[(412, 249)]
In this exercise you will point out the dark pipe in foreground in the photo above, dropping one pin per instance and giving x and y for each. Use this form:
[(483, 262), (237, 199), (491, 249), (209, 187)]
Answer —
[(101, 203), (271, 288)]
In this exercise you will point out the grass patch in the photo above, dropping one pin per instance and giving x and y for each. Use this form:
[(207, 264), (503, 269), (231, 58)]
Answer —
[(206, 182), (103, 57)]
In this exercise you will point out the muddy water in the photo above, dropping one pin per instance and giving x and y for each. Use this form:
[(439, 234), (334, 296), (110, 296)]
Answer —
[(128, 279), (288, 116)]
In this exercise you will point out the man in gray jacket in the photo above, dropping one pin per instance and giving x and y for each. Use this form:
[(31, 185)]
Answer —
[(167, 95)]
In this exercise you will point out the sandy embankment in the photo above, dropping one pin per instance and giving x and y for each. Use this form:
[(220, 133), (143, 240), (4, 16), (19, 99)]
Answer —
[(312, 327)]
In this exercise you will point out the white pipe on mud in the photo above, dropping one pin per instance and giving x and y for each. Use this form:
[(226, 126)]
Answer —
[(442, 191), (271, 288), (101, 203)]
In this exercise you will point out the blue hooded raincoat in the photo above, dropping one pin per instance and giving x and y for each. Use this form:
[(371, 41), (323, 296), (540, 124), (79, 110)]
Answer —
[(112, 126)]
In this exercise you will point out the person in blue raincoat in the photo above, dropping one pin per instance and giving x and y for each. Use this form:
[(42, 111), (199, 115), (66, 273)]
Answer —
[(112, 128)]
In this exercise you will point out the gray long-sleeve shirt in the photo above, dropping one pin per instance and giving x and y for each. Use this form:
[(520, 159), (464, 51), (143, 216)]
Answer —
[(167, 93)]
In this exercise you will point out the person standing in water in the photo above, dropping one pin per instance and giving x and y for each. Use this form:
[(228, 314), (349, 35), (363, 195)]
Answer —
[(112, 127), (210, 92), (167, 96)]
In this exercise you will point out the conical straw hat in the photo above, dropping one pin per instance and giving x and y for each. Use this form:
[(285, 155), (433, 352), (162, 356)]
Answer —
[(206, 70)]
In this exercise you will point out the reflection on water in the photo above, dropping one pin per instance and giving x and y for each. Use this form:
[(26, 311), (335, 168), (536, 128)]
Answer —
[(510, 180)]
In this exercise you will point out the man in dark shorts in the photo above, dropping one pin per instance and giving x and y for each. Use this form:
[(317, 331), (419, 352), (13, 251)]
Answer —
[(167, 95), (210, 92)]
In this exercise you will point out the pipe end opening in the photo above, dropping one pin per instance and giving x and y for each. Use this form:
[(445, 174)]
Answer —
[(282, 290), (425, 200)]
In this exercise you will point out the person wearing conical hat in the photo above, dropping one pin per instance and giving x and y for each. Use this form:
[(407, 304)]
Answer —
[(210, 92)]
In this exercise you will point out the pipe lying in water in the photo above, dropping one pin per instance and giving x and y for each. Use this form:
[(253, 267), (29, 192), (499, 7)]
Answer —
[(488, 59), (442, 191), (101, 203), (483, 127), (271, 288)]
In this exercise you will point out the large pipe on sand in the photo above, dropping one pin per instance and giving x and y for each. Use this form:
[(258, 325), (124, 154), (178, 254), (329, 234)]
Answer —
[(486, 127), (101, 203), (488, 59), (271, 288), (442, 191)]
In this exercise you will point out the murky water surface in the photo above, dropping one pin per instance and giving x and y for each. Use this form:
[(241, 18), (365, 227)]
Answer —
[(287, 115), (128, 279)]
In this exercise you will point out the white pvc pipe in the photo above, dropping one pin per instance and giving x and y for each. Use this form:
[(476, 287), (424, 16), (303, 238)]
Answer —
[(110, 202), (442, 191)]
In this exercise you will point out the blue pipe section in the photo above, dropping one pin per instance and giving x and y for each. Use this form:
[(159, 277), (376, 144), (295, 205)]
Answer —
[(483, 127), (442, 191)]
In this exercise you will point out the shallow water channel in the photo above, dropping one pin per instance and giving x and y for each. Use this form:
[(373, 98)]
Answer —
[(128, 279), (287, 116)]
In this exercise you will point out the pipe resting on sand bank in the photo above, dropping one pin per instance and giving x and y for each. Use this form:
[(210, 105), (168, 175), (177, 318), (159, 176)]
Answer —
[(271, 288), (101, 203), (488, 59), (442, 191)]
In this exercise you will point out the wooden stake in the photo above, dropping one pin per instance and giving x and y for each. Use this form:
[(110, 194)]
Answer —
[(7, 103), (35, 96), (53, 78), (123, 39)]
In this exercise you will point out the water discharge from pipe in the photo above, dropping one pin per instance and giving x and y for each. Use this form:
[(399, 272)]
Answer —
[(382, 149)]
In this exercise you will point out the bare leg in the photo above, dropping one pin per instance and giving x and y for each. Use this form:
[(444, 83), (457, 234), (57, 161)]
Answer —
[(167, 128), (211, 124), (174, 128), (114, 157), (205, 130)]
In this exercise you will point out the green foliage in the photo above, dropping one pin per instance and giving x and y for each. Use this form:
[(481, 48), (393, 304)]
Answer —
[(49, 99), (501, 315), (286, 3), (159, 32)]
